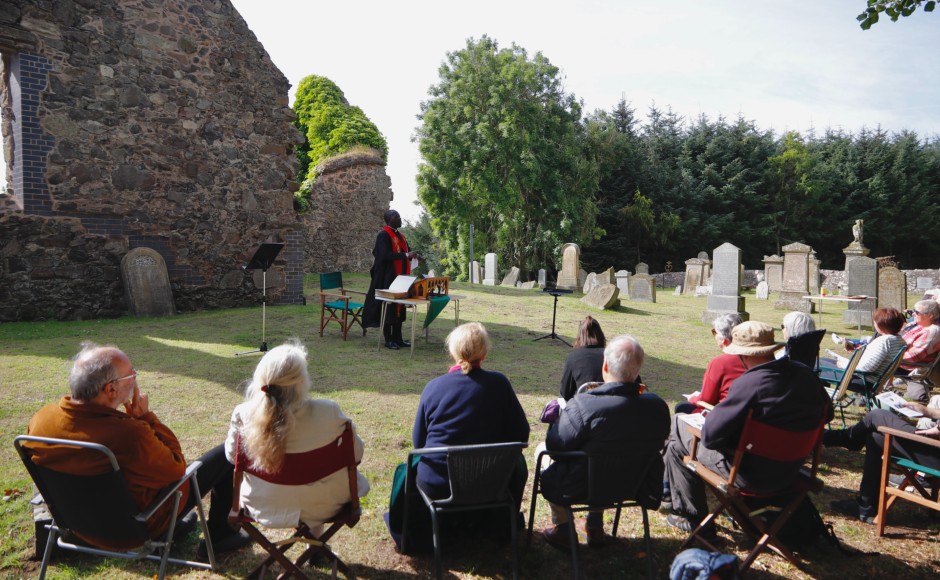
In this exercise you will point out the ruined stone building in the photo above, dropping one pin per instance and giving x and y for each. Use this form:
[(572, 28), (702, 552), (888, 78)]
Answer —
[(148, 123)]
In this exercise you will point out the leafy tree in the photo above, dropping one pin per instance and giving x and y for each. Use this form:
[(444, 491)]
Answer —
[(421, 238), (331, 127), (893, 8), (503, 148)]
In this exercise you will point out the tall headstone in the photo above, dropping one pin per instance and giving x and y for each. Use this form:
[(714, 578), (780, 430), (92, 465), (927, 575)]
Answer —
[(707, 269), (862, 277), (570, 265), (694, 275), (773, 272), (726, 284), (814, 274), (604, 297), (795, 279), (511, 278), (542, 277), (476, 273), (892, 288), (622, 284), (489, 272), (854, 250), (763, 291), (146, 283), (642, 268), (642, 288)]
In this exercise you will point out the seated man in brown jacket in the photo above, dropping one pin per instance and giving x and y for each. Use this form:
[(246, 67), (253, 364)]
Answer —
[(102, 381)]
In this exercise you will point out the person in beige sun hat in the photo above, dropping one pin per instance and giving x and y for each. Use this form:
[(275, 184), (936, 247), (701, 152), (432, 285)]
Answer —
[(753, 338)]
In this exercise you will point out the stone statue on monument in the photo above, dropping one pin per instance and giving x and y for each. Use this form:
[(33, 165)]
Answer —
[(857, 232)]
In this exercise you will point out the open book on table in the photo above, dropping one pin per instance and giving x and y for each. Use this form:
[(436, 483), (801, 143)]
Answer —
[(893, 401)]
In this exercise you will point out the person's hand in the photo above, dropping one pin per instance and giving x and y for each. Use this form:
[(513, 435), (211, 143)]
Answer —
[(933, 432), (138, 405), (915, 406), (411, 255)]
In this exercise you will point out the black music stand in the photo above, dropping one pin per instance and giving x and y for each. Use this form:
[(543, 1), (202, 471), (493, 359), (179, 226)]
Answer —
[(262, 260), (556, 292)]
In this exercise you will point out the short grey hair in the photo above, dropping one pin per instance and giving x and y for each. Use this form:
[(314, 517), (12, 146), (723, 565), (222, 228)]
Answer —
[(92, 368), (624, 357), (796, 323), (725, 323), (930, 308)]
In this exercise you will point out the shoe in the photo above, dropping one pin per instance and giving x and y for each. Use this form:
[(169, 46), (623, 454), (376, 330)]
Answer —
[(681, 523), (403, 343), (229, 543), (391, 345), (185, 525), (853, 509), (841, 438), (596, 538), (897, 479), (665, 506), (899, 383), (557, 537)]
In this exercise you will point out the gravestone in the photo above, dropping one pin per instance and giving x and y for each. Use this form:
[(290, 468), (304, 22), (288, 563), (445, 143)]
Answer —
[(432, 274), (725, 297), (542, 278), (608, 276), (642, 288), (892, 288), (604, 297), (677, 291), (642, 268), (476, 275), (855, 250), (527, 285), (795, 279), (590, 282), (773, 272), (924, 283), (702, 256), (146, 283), (862, 281), (694, 275), (763, 290), (813, 274), (570, 265), (582, 277), (511, 278), (489, 271), (622, 283)]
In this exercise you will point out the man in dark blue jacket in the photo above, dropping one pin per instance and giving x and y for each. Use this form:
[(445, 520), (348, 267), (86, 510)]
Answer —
[(781, 393), (617, 418)]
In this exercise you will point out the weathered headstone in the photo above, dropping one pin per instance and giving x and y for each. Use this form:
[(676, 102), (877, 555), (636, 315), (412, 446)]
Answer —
[(694, 275), (590, 282), (795, 279), (489, 271), (813, 274), (677, 291), (703, 290), (582, 277), (924, 283), (773, 272), (608, 276), (146, 283), (511, 278), (892, 288), (604, 297), (702, 256), (476, 274), (854, 250), (642, 268), (763, 290), (642, 288), (622, 283), (542, 277), (726, 284), (570, 265), (862, 281), (527, 285)]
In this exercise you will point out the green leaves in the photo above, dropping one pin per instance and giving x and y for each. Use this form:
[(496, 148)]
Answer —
[(893, 8)]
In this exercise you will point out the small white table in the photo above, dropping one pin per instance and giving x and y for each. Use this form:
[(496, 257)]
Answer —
[(853, 299), (414, 303)]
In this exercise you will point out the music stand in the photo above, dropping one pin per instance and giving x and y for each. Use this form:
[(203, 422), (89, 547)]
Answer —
[(262, 260), (556, 292)]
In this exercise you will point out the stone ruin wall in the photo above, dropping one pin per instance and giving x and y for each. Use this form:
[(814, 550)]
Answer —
[(347, 202), (138, 123)]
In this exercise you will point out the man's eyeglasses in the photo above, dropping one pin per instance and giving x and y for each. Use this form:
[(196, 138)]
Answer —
[(130, 376)]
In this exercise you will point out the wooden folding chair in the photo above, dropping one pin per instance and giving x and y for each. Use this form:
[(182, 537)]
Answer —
[(908, 468), (302, 469), (337, 304), (769, 442)]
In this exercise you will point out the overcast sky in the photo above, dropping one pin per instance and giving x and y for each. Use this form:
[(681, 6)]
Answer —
[(798, 64)]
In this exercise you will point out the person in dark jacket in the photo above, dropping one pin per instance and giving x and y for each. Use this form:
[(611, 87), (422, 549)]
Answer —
[(781, 393), (583, 364), (617, 417), (392, 258)]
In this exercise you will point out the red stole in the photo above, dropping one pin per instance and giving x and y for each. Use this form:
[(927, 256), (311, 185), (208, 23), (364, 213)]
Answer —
[(399, 246)]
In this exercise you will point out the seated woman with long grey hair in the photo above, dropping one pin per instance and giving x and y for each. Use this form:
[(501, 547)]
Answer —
[(279, 417)]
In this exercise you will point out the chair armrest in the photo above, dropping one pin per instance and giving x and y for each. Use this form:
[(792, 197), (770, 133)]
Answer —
[(168, 492), (355, 292), (909, 436), (332, 296)]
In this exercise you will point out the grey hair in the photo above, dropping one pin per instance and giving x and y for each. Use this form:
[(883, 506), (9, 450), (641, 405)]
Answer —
[(796, 323), (725, 323), (92, 368), (930, 308), (624, 357)]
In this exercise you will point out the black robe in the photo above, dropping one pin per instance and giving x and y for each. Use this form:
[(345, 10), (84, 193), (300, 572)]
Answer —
[(383, 274)]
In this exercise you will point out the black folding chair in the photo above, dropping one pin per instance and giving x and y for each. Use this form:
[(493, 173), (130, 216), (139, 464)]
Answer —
[(101, 507)]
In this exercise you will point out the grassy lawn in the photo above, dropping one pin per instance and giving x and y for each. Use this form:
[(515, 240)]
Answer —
[(187, 365)]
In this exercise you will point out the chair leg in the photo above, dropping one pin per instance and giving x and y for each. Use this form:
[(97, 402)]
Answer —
[(513, 540), (435, 536), (169, 536), (648, 542), (535, 495), (616, 522), (47, 555), (573, 538)]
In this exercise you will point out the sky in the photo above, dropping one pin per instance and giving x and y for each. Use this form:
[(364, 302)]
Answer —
[(794, 65)]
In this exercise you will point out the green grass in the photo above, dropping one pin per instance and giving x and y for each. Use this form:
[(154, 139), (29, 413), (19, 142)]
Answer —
[(187, 365)]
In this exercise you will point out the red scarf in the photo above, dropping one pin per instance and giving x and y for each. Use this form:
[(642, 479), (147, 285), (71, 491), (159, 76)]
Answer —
[(399, 246)]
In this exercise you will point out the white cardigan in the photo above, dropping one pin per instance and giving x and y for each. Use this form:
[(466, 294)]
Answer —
[(318, 422)]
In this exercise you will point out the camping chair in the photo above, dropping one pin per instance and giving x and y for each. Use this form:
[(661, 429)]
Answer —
[(479, 479), (101, 506), (922, 373), (606, 489), (301, 469), (768, 442), (840, 379), (908, 468), (805, 347), (337, 305), (878, 384)]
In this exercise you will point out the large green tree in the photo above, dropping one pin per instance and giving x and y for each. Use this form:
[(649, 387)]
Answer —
[(893, 8), (503, 149)]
